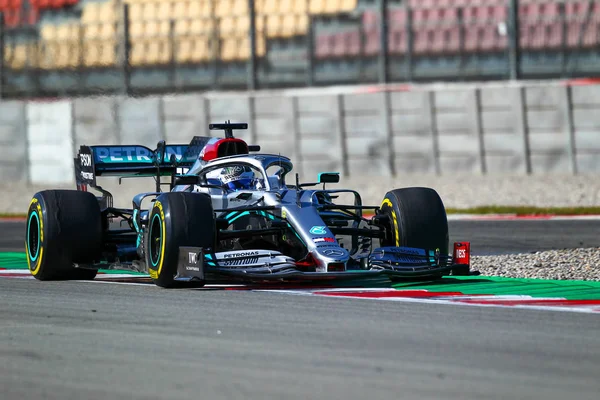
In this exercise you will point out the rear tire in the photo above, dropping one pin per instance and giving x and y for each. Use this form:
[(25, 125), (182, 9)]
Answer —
[(417, 219), (177, 219), (63, 227)]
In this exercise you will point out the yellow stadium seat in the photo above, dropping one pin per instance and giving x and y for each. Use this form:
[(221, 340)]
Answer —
[(239, 8), (348, 5), (16, 56), (150, 11), (197, 8), (91, 53), (107, 30), (318, 6), (227, 26), (137, 53), (136, 11), (268, 7), (202, 26), (48, 32), (242, 24), (183, 50), (46, 56), (180, 10), (223, 8), (99, 53), (300, 7), (107, 12), (335, 7), (194, 50), (136, 29), (67, 32), (182, 27), (274, 25), (294, 24), (156, 29), (238, 49), (90, 13), (91, 31), (108, 53), (66, 56), (229, 49), (286, 6), (165, 10), (158, 51), (236, 26)]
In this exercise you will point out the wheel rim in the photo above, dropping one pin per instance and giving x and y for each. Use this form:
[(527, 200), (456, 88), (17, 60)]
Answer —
[(33, 236), (155, 239)]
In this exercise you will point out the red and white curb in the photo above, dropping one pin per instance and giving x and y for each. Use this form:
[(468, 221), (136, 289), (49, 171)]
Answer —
[(515, 217), (381, 294), (455, 298)]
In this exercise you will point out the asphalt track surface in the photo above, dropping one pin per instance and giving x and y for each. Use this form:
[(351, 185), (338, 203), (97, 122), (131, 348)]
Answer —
[(486, 237), (75, 340)]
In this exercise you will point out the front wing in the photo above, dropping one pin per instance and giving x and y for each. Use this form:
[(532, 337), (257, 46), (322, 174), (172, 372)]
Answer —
[(267, 265)]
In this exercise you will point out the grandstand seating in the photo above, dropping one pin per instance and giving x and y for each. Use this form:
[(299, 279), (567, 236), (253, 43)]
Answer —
[(198, 31)]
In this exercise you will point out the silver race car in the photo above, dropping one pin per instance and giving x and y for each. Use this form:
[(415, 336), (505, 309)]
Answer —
[(230, 214)]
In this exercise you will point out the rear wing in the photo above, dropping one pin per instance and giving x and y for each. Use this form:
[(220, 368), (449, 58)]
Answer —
[(131, 161)]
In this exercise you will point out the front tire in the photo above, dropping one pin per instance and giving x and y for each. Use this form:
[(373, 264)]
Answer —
[(417, 218), (63, 227), (177, 219)]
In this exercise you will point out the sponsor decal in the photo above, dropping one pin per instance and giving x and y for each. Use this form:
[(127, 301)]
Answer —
[(193, 258), (318, 230), (134, 154), (195, 269), (326, 239), (242, 254), (87, 175), (334, 253), (240, 261), (86, 160)]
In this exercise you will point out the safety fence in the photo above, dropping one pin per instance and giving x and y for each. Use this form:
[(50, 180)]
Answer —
[(144, 46)]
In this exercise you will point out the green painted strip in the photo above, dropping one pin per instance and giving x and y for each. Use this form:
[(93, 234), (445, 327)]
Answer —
[(471, 285), (12, 260), (571, 290)]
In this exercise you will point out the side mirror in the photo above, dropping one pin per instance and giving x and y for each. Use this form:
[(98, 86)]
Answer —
[(254, 147), (187, 180), (329, 177)]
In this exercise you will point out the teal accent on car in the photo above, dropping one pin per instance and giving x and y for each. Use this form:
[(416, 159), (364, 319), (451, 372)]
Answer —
[(154, 264), (37, 250)]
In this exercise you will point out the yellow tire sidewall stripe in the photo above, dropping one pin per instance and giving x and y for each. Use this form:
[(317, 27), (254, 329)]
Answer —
[(158, 205), (388, 203), (38, 265)]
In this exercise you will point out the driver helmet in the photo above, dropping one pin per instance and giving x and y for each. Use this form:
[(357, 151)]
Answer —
[(237, 178)]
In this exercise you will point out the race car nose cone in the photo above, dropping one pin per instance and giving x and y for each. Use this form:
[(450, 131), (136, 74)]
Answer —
[(329, 257), (337, 253)]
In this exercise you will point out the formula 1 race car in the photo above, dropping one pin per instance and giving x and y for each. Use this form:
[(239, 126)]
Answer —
[(229, 215)]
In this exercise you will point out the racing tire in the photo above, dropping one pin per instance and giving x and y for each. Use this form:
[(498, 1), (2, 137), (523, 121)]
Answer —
[(177, 219), (417, 218), (63, 227)]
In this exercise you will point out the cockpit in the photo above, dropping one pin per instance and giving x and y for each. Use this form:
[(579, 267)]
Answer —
[(262, 172)]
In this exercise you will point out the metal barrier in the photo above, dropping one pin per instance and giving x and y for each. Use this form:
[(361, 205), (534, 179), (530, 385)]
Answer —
[(263, 49)]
